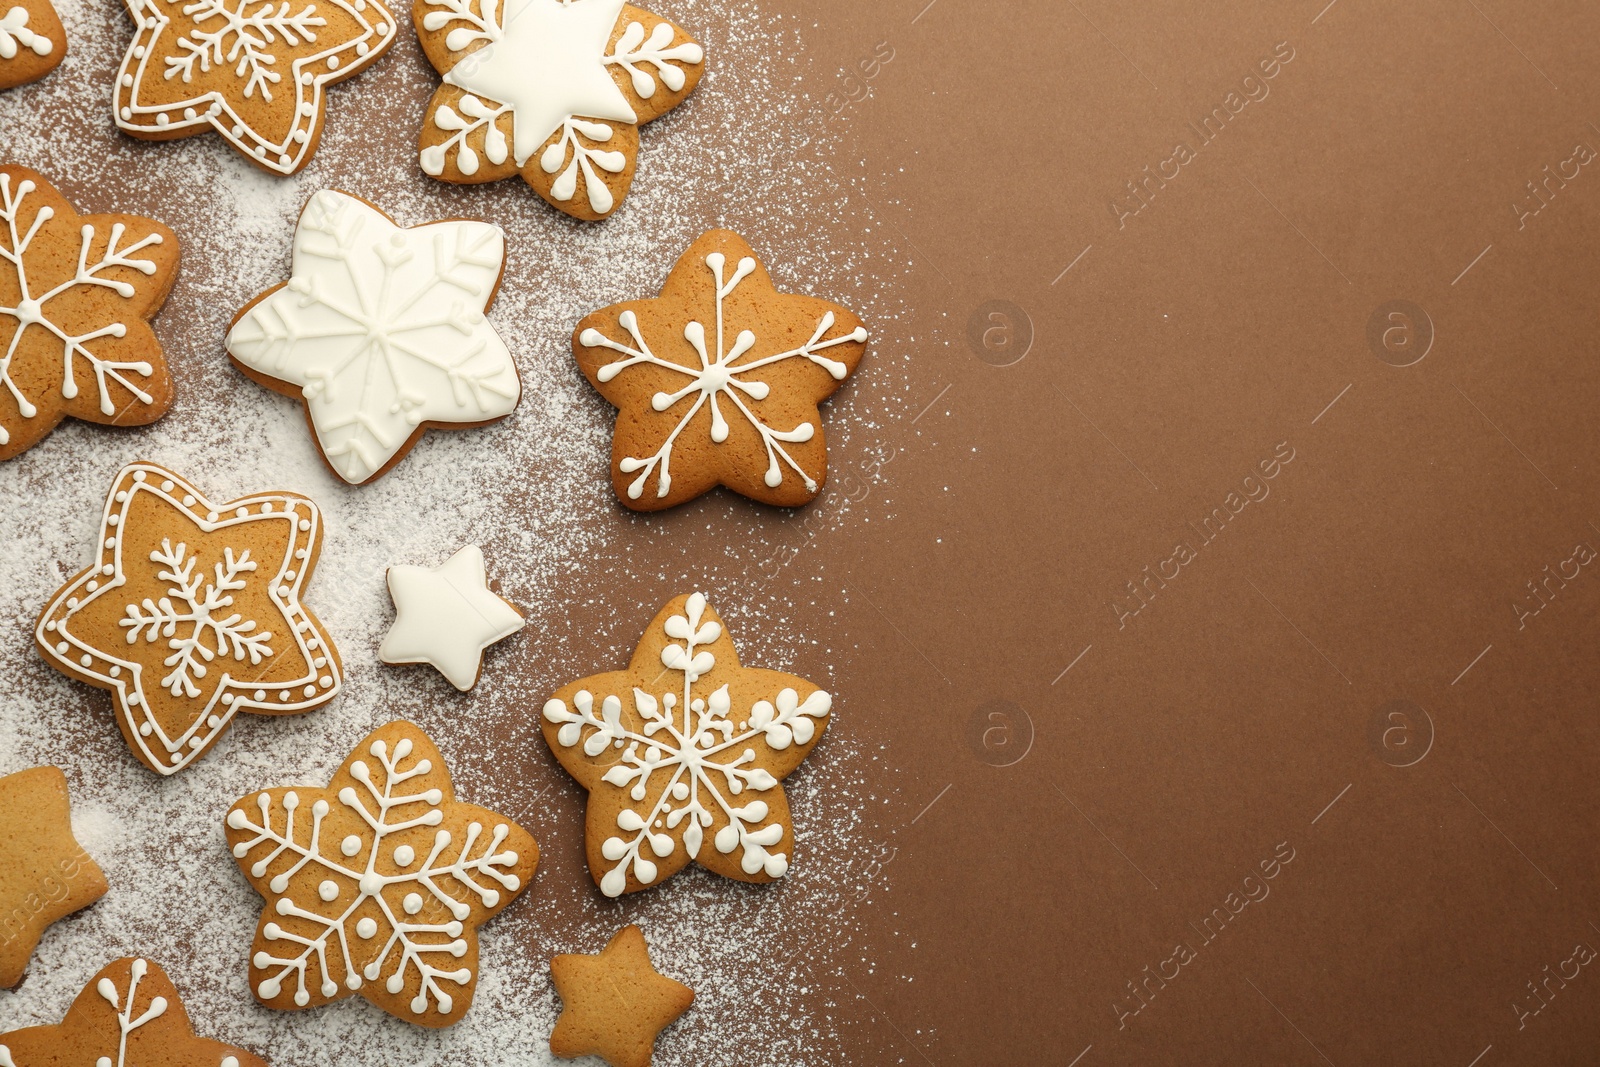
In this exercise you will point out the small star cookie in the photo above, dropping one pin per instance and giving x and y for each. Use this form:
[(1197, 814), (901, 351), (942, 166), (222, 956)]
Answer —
[(76, 294), (129, 1014), (253, 70), (32, 42), (446, 616), (614, 1004), (683, 755), (553, 89), (717, 381), (47, 874)]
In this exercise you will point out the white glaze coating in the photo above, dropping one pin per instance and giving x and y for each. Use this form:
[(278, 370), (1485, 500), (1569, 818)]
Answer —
[(446, 616), (15, 36), (383, 329), (202, 648)]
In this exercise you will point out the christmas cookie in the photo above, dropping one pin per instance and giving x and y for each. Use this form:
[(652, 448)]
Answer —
[(377, 884), (682, 755), (253, 70), (32, 42), (446, 616), (615, 1004), (552, 89), (46, 875), (381, 332), (76, 292), (717, 381), (190, 613), (129, 1015)]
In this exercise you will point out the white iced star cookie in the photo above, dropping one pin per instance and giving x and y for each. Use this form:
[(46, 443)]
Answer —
[(381, 332), (446, 616), (555, 89)]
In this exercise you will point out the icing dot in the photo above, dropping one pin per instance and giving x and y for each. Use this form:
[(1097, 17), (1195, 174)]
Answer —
[(86, 659), (211, 516), (237, 131), (177, 757), (115, 670), (227, 698), (362, 49), (61, 647), (283, 696), (122, 495), (93, 585), (261, 151), (127, 79), (289, 575), (325, 681), (162, 119), (188, 113), (145, 728), (134, 700), (112, 520), (266, 509), (412, 903), (107, 568), (383, 29), (309, 690), (366, 928), (196, 742), (213, 721), (312, 643), (305, 524), (305, 78), (350, 845), (138, 51), (328, 890), (283, 159), (111, 542), (138, 476), (166, 486), (299, 137), (299, 553), (127, 113), (261, 694), (404, 855), (188, 500), (51, 626), (242, 512), (72, 602), (318, 663)]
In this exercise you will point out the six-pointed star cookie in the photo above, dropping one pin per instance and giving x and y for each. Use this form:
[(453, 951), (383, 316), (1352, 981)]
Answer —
[(685, 762), (32, 42), (381, 332), (129, 1015), (378, 883), (717, 381), (253, 70), (47, 874), (75, 294), (446, 616), (190, 613), (555, 89), (614, 1004)]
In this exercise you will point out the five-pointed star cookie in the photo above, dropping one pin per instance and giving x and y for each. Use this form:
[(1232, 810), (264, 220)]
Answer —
[(381, 332), (684, 763), (76, 292), (253, 70), (378, 883), (555, 89), (129, 1015), (614, 1004), (32, 42), (190, 613), (446, 616), (47, 874), (718, 381)]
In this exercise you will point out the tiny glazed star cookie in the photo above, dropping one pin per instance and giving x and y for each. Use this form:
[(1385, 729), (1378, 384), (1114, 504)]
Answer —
[(614, 1004), (381, 332), (685, 761), (446, 616), (253, 70), (190, 613), (381, 887), (555, 89), (32, 42), (76, 294), (47, 874), (722, 374), (129, 1014)]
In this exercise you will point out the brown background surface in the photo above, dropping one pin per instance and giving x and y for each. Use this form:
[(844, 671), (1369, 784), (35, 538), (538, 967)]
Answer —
[(1059, 793)]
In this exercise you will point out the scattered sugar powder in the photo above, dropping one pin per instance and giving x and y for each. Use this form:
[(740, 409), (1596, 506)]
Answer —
[(532, 490)]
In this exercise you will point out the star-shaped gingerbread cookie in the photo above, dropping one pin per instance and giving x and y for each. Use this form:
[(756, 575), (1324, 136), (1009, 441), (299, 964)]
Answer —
[(378, 883), (190, 613), (76, 294), (553, 89), (718, 381), (47, 874), (446, 616), (614, 1004), (129, 1015), (32, 42), (683, 753), (253, 70)]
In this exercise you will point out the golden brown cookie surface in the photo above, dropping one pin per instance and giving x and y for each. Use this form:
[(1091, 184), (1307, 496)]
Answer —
[(554, 90), (32, 42), (76, 294), (718, 380), (190, 613), (253, 70), (129, 1015), (46, 875), (376, 884), (615, 1003), (683, 754)]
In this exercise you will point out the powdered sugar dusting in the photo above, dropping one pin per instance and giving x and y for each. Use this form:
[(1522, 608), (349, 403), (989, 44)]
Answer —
[(532, 490)]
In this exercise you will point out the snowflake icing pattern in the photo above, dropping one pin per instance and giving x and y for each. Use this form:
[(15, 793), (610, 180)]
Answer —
[(117, 283), (382, 889), (382, 330), (680, 768)]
